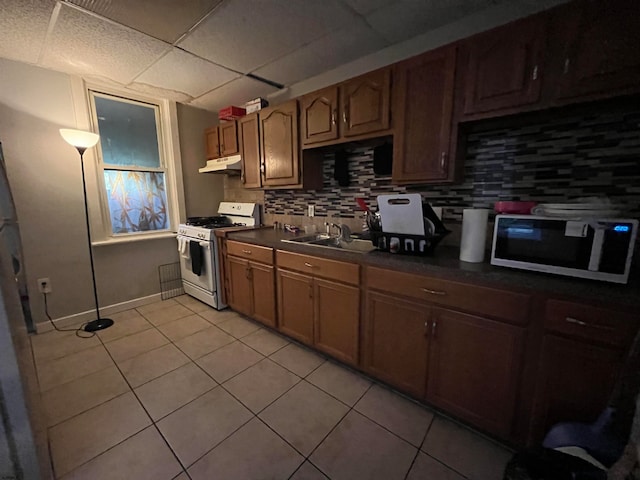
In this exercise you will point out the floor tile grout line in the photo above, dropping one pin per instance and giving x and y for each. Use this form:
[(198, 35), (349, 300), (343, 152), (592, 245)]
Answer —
[(418, 450)]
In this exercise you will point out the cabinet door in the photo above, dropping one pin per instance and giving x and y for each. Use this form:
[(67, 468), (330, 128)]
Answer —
[(574, 382), (239, 285), (600, 43), (279, 145), (395, 342), (228, 134), (213, 144), (249, 140), (366, 103), (474, 368), (423, 102), (295, 305), (337, 320), (504, 66), (319, 116), (264, 293)]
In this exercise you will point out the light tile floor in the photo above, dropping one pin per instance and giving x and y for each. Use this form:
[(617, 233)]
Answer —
[(178, 390)]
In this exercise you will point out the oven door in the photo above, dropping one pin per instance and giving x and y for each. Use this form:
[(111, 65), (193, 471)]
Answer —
[(206, 278)]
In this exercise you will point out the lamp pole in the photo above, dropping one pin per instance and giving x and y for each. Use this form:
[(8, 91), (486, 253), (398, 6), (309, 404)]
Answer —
[(83, 140)]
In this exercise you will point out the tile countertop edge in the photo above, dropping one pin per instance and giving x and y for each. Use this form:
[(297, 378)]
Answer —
[(446, 265)]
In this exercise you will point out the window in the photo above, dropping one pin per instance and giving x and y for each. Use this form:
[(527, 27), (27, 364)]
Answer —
[(132, 166)]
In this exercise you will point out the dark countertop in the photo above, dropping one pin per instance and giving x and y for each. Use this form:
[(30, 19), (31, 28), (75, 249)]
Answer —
[(445, 263)]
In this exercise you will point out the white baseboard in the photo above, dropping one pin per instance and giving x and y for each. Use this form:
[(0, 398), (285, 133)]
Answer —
[(78, 318)]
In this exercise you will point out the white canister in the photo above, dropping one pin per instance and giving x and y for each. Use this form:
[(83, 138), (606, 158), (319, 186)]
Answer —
[(474, 234)]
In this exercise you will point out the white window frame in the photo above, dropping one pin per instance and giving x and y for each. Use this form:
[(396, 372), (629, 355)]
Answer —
[(169, 149)]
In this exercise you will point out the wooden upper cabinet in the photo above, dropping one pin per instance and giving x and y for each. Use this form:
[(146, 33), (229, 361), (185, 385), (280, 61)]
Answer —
[(228, 134), (423, 100), (279, 145), (249, 140), (319, 116), (596, 46), (467, 354), (504, 66), (365, 103), (212, 143), (222, 140)]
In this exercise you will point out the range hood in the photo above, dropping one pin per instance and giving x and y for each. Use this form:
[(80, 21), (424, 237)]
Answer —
[(230, 165)]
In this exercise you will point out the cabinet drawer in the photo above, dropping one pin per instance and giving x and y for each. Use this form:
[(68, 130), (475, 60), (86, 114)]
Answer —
[(251, 252), (319, 267), (590, 323), (492, 302)]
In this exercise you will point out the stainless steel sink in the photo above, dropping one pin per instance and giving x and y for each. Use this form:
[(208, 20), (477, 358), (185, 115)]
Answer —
[(326, 241)]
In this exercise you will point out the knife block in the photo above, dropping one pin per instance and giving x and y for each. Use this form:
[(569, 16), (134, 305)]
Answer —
[(405, 244)]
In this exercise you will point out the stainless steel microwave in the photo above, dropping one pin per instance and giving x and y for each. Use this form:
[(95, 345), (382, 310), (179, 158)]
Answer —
[(598, 249)]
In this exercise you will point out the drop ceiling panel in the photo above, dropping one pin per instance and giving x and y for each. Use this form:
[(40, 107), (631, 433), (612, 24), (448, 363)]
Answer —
[(163, 19), (24, 27), (324, 54), (236, 92), (408, 18), (364, 7), (84, 44), (245, 34), (159, 92), (183, 72)]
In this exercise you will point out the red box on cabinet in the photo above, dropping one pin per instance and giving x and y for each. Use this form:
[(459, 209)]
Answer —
[(231, 113)]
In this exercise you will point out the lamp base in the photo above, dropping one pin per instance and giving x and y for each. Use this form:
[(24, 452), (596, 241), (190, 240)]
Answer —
[(99, 324)]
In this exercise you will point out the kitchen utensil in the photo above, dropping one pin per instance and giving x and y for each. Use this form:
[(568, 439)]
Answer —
[(373, 221), (401, 213), (362, 204)]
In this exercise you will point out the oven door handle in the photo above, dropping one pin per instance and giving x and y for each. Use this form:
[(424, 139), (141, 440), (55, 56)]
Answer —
[(206, 245)]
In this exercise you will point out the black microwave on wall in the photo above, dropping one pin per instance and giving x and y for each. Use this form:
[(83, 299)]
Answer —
[(598, 249)]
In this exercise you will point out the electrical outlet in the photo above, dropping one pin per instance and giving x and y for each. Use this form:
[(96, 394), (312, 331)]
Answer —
[(44, 285), (311, 210)]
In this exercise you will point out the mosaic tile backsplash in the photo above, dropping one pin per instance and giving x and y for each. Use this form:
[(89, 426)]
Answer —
[(561, 159)]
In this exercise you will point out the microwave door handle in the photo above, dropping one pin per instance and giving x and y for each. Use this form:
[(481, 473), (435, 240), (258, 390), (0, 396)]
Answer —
[(596, 249)]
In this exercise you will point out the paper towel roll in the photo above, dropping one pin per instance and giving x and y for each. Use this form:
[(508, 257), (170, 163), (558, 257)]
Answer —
[(474, 234)]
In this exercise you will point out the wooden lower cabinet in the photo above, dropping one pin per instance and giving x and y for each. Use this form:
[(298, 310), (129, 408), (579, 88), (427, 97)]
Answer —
[(295, 305), (251, 289), (575, 381), (320, 312), (396, 347), (337, 315), (240, 288), (474, 368)]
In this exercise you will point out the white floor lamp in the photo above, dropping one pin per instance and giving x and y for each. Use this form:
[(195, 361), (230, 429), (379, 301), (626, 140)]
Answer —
[(83, 140)]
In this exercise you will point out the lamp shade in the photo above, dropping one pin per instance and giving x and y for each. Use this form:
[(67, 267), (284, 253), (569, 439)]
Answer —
[(79, 138)]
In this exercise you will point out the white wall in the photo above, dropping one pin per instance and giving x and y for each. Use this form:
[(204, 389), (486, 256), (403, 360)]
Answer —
[(203, 192), (44, 173)]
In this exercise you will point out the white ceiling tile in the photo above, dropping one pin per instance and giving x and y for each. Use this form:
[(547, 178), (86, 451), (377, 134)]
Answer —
[(236, 92), (83, 44), (246, 34), (408, 18), (364, 7), (324, 54), (163, 19), (24, 26), (183, 72), (159, 92)]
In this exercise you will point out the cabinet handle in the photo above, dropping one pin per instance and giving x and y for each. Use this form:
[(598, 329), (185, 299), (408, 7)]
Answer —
[(344, 117), (306, 264), (567, 63), (222, 148), (310, 290), (443, 159), (248, 272), (575, 321), (262, 167), (248, 252), (433, 292), (426, 328), (242, 178), (433, 328), (333, 117), (534, 76)]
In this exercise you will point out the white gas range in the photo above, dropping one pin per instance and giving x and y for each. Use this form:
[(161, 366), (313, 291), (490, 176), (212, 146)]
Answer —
[(198, 249)]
